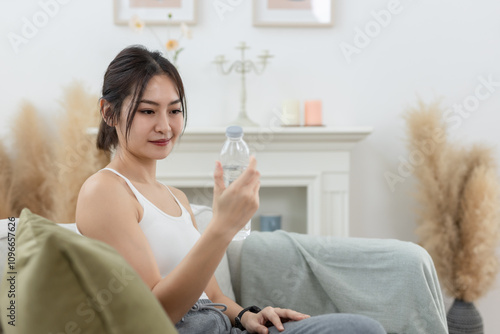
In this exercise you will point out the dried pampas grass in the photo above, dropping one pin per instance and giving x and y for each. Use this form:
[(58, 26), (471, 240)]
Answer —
[(5, 184), (45, 173), (475, 262), (76, 155), (438, 189), (32, 185), (459, 196)]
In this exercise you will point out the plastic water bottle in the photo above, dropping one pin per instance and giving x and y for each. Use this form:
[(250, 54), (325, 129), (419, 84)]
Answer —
[(235, 157)]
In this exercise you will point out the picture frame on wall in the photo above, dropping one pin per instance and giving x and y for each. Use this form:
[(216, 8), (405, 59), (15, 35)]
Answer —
[(293, 13), (155, 12)]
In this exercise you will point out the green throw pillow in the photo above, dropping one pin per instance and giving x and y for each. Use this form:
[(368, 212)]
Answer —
[(66, 283)]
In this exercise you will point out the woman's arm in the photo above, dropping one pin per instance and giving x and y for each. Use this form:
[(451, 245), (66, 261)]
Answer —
[(108, 211), (212, 290), (181, 288), (232, 208), (254, 323)]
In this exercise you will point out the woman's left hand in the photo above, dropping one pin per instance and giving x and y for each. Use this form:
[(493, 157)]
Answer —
[(270, 316)]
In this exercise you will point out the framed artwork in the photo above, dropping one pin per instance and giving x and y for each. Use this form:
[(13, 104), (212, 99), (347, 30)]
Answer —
[(293, 13), (155, 12)]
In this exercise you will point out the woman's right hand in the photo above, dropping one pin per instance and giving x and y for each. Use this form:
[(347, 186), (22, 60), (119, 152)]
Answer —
[(235, 205)]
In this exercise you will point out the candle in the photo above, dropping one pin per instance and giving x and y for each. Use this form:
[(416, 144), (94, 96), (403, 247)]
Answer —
[(290, 115), (312, 113), (219, 59)]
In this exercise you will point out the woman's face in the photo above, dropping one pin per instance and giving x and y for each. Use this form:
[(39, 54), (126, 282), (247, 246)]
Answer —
[(157, 123)]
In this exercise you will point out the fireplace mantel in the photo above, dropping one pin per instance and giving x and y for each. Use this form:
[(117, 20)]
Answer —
[(317, 158)]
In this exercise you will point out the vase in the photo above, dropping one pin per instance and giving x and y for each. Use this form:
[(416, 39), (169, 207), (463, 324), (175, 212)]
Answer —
[(463, 318)]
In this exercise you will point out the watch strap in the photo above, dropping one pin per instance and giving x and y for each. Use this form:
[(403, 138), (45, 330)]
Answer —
[(237, 320)]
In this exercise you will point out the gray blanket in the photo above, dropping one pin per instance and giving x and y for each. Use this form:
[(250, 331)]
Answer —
[(391, 281)]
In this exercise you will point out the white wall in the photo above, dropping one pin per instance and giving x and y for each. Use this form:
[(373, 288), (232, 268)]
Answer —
[(429, 49)]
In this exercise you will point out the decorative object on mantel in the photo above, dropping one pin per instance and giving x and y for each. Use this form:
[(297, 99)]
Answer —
[(290, 113), (289, 13), (243, 67), (153, 11), (459, 221), (312, 113)]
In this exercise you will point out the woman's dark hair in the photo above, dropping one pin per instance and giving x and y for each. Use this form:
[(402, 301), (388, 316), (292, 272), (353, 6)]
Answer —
[(129, 74)]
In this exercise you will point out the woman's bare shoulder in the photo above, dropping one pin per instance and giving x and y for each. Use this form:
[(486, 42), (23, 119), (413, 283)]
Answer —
[(103, 183), (102, 194), (180, 195)]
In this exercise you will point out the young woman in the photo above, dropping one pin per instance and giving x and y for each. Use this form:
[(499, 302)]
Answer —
[(152, 226)]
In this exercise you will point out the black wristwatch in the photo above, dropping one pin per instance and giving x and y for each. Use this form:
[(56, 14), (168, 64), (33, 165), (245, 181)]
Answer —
[(237, 320)]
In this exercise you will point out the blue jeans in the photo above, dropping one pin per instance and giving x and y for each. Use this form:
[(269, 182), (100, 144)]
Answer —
[(206, 318)]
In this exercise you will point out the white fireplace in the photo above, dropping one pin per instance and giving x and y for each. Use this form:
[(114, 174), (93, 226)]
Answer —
[(304, 171)]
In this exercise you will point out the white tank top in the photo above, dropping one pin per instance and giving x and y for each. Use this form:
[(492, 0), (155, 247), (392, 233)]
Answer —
[(169, 237)]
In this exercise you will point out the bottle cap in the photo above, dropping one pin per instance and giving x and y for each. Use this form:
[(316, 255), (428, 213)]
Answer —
[(234, 131)]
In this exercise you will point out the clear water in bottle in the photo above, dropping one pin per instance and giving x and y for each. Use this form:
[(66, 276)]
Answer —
[(231, 173), (234, 158)]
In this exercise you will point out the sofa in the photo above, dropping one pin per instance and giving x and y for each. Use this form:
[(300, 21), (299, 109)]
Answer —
[(56, 281)]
